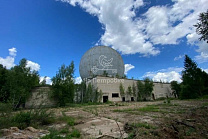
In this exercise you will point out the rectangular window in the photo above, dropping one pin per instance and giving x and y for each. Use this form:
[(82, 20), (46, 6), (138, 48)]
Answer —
[(115, 95)]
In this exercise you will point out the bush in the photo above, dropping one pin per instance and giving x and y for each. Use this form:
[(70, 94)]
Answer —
[(5, 115), (33, 118), (75, 133), (5, 109), (22, 119), (69, 120), (42, 116)]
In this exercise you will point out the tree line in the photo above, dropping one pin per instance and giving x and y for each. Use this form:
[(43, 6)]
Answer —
[(17, 83), (194, 81), (194, 84)]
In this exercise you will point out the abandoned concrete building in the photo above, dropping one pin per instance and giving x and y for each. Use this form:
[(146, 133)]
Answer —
[(100, 66), (111, 91), (103, 60)]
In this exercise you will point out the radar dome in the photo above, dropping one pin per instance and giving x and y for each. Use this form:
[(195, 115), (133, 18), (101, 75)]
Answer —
[(101, 60)]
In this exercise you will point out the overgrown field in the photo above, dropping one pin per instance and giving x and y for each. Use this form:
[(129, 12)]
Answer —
[(156, 119)]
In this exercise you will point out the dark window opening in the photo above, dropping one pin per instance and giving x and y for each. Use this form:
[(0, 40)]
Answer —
[(105, 99), (123, 98), (132, 98), (115, 95)]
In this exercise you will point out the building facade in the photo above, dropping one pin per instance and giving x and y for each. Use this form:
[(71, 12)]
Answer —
[(110, 88)]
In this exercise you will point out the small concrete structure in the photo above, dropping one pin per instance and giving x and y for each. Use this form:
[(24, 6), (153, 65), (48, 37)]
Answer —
[(40, 97), (111, 91), (162, 90)]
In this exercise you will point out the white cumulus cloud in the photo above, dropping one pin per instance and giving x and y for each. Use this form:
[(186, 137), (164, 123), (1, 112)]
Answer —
[(8, 62), (33, 65), (128, 67), (178, 57), (168, 24), (128, 32), (165, 75), (203, 57), (121, 30), (12, 52), (206, 70), (78, 80), (48, 79)]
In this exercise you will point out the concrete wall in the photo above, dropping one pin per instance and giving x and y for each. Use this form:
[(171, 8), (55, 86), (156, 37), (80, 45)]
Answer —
[(162, 90), (40, 96), (110, 85)]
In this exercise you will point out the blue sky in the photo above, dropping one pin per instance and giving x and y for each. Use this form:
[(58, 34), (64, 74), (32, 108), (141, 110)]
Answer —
[(152, 36)]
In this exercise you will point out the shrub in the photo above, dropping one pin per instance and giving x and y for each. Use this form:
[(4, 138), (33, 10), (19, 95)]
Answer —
[(75, 133), (5, 115), (145, 125), (69, 120), (22, 119), (42, 116), (5, 109), (34, 118)]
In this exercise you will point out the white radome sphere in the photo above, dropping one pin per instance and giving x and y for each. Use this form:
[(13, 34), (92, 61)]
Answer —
[(100, 59)]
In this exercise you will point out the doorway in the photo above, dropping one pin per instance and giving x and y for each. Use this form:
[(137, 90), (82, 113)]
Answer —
[(153, 96), (123, 99), (105, 99)]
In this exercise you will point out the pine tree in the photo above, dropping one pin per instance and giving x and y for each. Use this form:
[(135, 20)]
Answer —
[(202, 26), (194, 80)]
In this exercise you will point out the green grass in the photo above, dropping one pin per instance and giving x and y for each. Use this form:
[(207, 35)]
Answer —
[(205, 104), (22, 119), (161, 108), (93, 110), (64, 131), (145, 125), (69, 120), (75, 133), (54, 134), (142, 128), (148, 108), (83, 104), (167, 105)]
